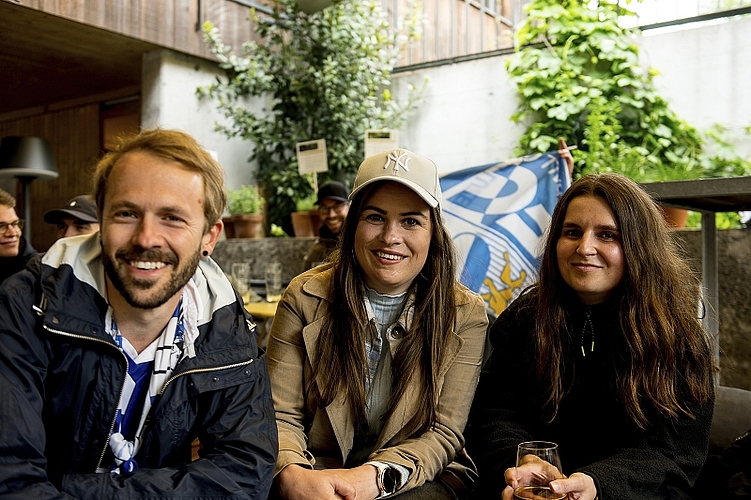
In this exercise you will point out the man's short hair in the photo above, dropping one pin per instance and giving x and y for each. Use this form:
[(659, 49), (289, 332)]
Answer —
[(170, 145), (6, 199)]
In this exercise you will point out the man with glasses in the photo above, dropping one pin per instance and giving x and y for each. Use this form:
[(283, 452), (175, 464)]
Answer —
[(333, 205), (15, 251)]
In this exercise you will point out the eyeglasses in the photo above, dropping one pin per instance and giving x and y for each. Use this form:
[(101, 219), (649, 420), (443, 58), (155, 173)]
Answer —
[(16, 225), (338, 208)]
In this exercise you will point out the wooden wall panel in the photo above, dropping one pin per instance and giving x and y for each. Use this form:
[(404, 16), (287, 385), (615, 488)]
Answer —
[(73, 134), (452, 29), (460, 29), (446, 32), (169, 23)]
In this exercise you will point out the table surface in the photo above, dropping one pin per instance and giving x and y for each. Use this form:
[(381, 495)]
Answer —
[(261, 310)]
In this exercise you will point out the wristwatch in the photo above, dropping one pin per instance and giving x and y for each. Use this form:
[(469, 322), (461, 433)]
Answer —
[(386, 479)]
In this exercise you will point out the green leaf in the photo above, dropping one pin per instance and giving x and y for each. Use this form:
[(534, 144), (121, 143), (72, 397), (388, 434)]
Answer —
[(543, 143), (585, 83)]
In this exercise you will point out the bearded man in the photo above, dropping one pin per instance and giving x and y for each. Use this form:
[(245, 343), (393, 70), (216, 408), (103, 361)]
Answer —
[(121, 348)]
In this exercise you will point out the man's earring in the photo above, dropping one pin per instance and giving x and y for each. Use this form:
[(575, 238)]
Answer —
[(205, 253)]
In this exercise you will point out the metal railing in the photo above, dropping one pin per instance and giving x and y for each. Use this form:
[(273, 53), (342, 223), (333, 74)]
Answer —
[(652, 13), (456, 30)]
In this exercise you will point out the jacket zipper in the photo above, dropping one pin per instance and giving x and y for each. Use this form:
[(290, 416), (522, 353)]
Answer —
[(120, 395), (744, 435), (202, 370)]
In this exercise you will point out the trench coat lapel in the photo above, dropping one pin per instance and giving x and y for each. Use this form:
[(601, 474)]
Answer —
[(407, 407)]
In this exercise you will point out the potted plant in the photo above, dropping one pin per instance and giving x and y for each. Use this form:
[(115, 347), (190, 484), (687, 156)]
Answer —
[(325, 76), (245, 205), (302, 217)]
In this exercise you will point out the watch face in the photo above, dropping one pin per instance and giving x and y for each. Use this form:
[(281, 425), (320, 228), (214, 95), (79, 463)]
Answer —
[(389, 480)]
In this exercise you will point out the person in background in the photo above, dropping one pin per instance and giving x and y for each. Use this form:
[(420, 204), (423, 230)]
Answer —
[(605, 355), (77, 217), (374, 357), (120, 348), (333, 205), (15, 250)]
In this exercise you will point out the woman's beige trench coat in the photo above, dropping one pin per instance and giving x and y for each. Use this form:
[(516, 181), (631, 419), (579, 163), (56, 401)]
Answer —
[(326, 436)]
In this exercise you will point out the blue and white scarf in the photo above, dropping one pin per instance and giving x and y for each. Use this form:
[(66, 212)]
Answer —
[(147, 373)]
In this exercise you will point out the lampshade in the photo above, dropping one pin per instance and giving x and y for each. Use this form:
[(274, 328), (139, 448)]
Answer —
[(28, 157)]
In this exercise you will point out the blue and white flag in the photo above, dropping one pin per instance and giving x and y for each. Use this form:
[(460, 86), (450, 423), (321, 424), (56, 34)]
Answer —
[(497, 216)]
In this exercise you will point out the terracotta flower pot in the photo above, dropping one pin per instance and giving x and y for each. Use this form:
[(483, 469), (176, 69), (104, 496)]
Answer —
[(302, 224), (229, 227), (675, 217), (247, 225)]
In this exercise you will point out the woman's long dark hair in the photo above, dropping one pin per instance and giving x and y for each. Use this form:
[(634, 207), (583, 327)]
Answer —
[(341, 366), (668, 361)]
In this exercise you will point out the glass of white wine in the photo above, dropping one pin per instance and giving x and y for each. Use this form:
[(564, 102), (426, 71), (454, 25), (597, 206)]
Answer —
[(541, 464)]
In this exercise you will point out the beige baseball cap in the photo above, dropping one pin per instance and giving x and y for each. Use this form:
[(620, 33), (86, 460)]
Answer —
[(416, 172)]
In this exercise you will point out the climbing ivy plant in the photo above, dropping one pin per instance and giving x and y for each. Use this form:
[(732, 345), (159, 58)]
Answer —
[(579, 77), (322, 76)]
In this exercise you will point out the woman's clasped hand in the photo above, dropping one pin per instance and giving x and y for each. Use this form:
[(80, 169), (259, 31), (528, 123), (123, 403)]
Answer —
[(578, 487), (298, 483)]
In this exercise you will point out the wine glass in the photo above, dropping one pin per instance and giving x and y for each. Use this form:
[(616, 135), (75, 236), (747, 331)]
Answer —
[(241, 277), (541, 464)]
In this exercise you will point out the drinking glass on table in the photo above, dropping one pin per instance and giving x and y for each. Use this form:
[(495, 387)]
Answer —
[(537, 463), (273, 282), (241, 277)]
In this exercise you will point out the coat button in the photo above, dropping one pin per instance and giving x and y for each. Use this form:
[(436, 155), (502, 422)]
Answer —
[(215, 379), (397, 332)]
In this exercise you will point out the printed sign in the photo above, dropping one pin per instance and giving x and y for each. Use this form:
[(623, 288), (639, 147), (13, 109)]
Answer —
[(377, 141), (311, 157)]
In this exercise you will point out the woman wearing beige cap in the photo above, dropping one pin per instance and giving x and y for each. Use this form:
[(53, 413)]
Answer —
[(375, 356)]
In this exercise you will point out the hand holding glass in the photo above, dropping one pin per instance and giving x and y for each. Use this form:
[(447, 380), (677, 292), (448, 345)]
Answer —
[(537, 463)]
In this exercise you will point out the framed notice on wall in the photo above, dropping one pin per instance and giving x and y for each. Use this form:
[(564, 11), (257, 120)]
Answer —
[(377, 141), (311, 157)]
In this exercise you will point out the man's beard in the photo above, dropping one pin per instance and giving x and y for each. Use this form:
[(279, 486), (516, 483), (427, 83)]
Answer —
[(128, 286), (334, 220)]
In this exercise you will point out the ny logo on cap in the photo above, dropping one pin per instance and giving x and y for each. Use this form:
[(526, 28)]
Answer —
[(400, 160)]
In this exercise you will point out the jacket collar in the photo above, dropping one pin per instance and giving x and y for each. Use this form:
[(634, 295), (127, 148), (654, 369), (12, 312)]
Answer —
[(79, 258), (320, 286)]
